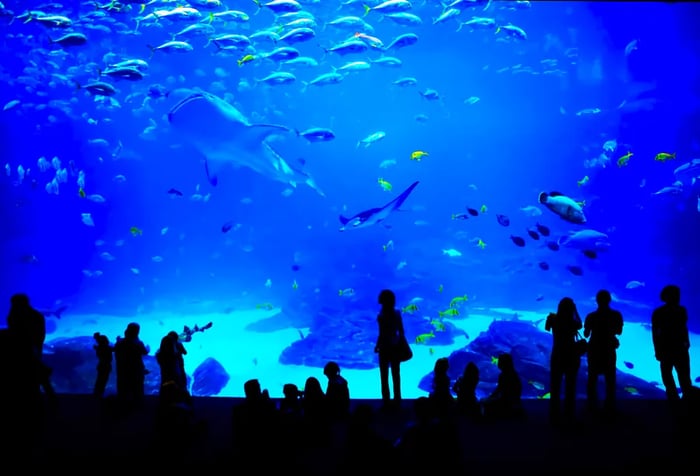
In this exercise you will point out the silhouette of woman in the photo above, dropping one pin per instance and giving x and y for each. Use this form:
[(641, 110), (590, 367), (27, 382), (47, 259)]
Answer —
[(390, 332), (565, 361)]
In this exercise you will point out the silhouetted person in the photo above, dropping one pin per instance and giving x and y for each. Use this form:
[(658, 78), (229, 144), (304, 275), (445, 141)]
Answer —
[(390, 332), (366, 450), (465, 389), (337, 392), (601, 327), (254, 427), (505, 401), (565, 360), (429, 445), (170, 358), (103, 351), (315, 413), (131, 371), (30, 326), (669, 329), (21, 402), (441, 395)]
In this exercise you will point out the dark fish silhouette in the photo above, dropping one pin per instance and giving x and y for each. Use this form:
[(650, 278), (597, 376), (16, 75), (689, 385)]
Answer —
[(503, 220), (375, 215), (575, 270), (518, 240)]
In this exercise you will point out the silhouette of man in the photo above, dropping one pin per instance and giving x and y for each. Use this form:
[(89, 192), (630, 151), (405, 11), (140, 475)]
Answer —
[(601, 327), (669, 330)]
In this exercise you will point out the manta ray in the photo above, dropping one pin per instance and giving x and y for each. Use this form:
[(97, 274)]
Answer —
[(225, 136), (375, 215)]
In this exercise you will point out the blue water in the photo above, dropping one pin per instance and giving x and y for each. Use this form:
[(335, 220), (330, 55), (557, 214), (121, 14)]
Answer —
[(541, 110)]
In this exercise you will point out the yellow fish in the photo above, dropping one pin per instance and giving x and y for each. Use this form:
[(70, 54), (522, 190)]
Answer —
[(389, 245), (384, 184), (481, 244), (483, 209), (245, 59), (431, 351), (544, 397), (622, 161), (346, 292), (295, 286), (456, 300), (440, 288), (81, 192), (136, 231), (410, 309), (583, 181), (438, 325), (265, 305), (663, 156), (418, 154), (421, 339), (494, 360), (449, 312)]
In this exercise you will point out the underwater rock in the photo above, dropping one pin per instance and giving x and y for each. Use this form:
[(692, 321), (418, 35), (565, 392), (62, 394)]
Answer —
[(209, 378), (348, 337), (530, 348), (74, 363)]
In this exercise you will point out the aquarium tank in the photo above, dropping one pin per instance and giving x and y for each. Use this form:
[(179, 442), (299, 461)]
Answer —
[(251, 174)]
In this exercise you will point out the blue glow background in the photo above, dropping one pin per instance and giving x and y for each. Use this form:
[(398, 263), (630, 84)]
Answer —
[(521, 138)]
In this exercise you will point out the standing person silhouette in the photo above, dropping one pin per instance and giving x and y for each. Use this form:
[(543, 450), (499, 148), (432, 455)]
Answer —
[(564, 361), (602, 326), (390, 332), (669, 330)]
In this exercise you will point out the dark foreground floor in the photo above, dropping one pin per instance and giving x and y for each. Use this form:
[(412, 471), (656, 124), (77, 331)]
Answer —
[(645, 436)]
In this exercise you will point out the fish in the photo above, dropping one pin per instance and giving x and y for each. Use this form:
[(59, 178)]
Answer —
[(543, 265), (503, 220), (517, 240), (225, 137), (317, 134), (57, 313), (533, 234), (544, 231), (566, 207), (375, 216), (575, 270), (585, 240)]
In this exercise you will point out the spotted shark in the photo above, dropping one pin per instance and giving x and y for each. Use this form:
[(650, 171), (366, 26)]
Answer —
[(225, 136), (374, 216)]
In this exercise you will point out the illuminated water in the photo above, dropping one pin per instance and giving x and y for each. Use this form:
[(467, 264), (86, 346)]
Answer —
[(501, 119)]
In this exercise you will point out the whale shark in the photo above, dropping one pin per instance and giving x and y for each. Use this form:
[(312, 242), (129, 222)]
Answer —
[(374, 216), (225, 137)]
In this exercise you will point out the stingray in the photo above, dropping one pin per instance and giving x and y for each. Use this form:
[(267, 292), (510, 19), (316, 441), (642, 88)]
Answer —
[(225, 136), (374, 216)]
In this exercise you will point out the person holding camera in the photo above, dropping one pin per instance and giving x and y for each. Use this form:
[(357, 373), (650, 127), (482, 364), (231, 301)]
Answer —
[(565, 359)]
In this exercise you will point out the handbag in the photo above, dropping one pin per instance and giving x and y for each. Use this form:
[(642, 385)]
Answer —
[(580, 344), (404, 352)]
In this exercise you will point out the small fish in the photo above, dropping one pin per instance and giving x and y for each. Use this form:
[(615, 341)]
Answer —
[(174, 191), (629, 365), (539, 298), (473, 212), (346, 292), (663, 156), (226, 227), (460, 216), (503, 220), (590, 254), (544, 231), (533, 234), (624, 160), (418, 155), (634, 285), (575, 270), (553, 245), (518, 240), (543, 265), (410, 309), (457, 300), (449, 312), (135, 231), (389, 245)]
